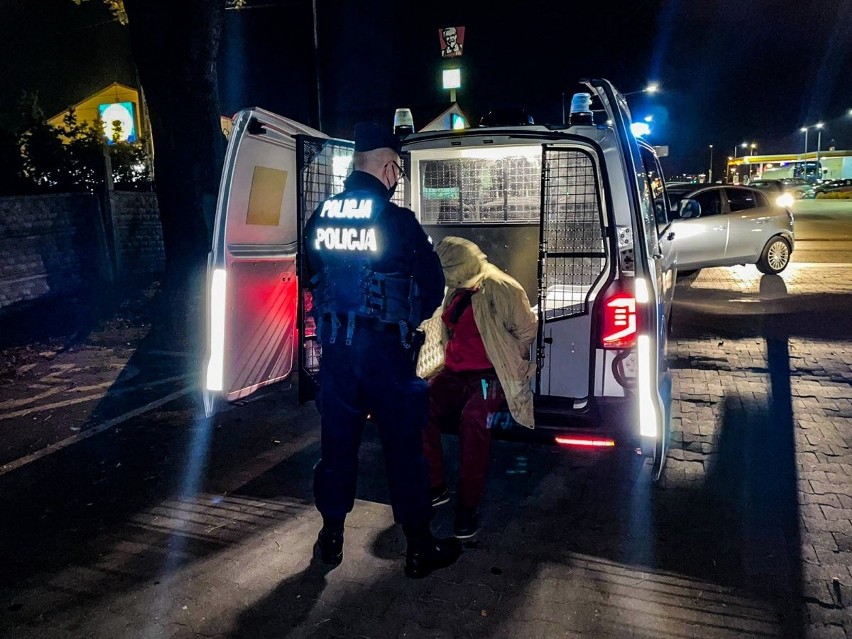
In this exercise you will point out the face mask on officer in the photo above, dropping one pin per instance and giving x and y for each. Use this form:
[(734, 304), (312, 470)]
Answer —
[(393, 174)]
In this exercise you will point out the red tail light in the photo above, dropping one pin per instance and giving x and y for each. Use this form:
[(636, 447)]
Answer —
[(588, 442), (619, 321)]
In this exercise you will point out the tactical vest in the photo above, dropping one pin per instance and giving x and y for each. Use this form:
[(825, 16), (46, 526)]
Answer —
[(351, 235)]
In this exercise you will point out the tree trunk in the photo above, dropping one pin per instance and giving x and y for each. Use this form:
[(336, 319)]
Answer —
[(175, 45)]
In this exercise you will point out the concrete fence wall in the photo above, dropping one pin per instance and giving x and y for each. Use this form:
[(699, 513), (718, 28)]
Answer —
[(53, 245), (138, 234)]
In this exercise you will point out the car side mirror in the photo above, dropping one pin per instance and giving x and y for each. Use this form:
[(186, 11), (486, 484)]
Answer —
[(689, 209)]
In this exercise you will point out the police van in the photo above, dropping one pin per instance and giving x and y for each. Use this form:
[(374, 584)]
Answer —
[(576, 213)]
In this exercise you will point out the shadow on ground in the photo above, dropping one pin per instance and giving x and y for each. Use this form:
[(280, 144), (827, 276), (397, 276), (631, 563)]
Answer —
[(578, 543)]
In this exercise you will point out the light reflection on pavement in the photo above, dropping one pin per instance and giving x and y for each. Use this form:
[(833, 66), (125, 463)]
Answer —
[(798, 278)]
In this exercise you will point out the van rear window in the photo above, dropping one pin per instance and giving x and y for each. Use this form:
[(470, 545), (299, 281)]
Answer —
[(481, 190)]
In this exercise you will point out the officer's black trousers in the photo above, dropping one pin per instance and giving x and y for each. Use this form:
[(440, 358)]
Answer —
[(375, 376)]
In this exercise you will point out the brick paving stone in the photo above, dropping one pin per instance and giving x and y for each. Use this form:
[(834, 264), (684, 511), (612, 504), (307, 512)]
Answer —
[(820, 379), (575, 546)]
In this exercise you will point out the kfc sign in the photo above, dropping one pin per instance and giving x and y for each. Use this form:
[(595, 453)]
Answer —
[(452, 41)]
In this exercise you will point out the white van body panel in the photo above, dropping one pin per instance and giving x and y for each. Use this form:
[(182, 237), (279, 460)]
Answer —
[(252, 285)]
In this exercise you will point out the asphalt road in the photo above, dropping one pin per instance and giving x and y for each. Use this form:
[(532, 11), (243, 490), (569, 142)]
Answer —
[(126, 513), (823, 231)]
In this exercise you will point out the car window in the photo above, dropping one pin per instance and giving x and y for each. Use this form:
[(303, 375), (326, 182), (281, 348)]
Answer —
[(766, 185), (741, 199), (674, 201), (656, 188), (710, 201)]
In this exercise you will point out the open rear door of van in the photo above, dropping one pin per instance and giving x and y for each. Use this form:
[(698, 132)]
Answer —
[(654, 265), (252, 289)]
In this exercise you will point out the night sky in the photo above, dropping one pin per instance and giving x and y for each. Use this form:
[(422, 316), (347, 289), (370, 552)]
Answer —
[(754, 70)]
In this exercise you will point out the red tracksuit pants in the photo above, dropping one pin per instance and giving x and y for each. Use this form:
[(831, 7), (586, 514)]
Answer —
[(468, 399)]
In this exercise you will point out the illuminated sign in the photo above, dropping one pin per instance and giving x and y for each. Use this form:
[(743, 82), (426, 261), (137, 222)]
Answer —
[(122, 113), (452, 41), (452, 78)]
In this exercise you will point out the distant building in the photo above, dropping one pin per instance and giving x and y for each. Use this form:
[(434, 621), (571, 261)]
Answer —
[(114, 103), (452, 118), (812, 166)]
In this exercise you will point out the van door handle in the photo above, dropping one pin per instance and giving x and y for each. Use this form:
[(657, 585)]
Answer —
[(670, 236)]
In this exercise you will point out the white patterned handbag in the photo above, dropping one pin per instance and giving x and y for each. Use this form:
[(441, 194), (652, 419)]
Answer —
[(430, 361)]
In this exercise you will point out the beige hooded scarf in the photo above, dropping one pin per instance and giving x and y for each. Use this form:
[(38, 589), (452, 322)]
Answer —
[(502, 314)]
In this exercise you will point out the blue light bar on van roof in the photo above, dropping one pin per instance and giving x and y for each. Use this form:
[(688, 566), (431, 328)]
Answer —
[(640, 129)]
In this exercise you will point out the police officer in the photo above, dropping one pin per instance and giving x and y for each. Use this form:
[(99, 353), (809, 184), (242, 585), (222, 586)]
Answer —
[(375, 277)]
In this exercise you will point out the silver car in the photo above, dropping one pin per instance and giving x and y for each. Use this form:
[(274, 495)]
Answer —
[(723, 225)]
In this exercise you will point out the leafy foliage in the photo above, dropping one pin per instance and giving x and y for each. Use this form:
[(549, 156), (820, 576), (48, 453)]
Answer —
[(115, 6), (42, 158)]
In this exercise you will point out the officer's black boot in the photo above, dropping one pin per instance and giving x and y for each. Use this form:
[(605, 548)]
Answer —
[(427, 553), (329, 546)]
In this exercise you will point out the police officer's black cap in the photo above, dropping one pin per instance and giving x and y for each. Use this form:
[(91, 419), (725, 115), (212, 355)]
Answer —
[(370, 136)]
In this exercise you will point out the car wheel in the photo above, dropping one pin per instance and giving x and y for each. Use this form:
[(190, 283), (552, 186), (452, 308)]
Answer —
[(775, 256)]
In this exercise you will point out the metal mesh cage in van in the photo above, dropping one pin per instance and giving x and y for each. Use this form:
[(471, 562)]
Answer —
[(323, 167), (477, 190), (572, 233)]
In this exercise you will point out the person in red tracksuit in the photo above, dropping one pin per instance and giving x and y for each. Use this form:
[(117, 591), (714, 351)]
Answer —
[(488, 328)]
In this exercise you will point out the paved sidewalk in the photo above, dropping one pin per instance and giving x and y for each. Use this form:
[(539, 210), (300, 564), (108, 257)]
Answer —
[(780, 404), (174, 526)]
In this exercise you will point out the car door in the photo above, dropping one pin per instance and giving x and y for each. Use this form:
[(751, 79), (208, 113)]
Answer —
[(251, 284), (750, 225), (663, 252), (701, 241)]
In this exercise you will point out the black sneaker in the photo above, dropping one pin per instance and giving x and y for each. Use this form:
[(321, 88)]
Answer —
[(329, 546), (466, 524), (440, 494)]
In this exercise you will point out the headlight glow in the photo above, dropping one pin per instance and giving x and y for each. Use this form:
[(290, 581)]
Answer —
[(785, 200)]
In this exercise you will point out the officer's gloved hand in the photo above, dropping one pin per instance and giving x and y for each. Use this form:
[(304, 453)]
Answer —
[(416, 338)]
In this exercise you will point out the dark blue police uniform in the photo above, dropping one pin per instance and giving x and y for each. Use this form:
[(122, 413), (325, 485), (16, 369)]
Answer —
[(375, 277)]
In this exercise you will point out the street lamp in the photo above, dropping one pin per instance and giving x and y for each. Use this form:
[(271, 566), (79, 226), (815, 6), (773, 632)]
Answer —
[(752, 147), (818, 126), (652, 87), (804, 130), (710, 172)]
